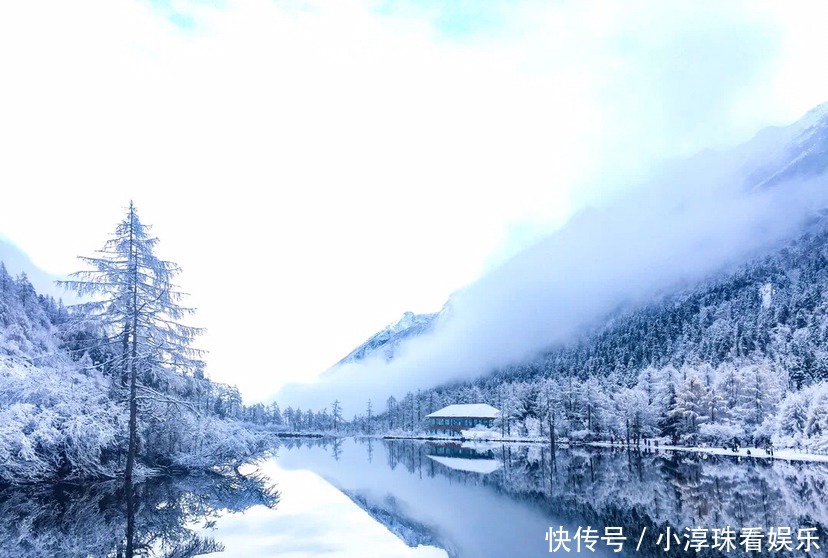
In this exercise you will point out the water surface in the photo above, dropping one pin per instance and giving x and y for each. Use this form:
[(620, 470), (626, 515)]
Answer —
[(407, 499), (487, 501)]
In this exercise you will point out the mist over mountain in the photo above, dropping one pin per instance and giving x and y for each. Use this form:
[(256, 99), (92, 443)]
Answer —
[(18, 262), (691, 225)]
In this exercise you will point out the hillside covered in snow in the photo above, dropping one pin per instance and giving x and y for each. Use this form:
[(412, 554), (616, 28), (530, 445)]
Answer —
[(62, 407), (730, 349)]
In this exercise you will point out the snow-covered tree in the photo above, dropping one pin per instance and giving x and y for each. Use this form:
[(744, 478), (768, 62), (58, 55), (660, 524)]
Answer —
[(816, 423), (648, 383), (791, 419), (730, 385), (593, 405), (391, 411), (553, 416), (669, 421), (634, 415), (139, 307), (713, 403), (689, 405), (336, 415), (763, 388), (275, 414)]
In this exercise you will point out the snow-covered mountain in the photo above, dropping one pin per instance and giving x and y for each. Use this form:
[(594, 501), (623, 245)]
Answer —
[(804, 151), (744, 309), (718, 262), (16, 262), (388, 339)]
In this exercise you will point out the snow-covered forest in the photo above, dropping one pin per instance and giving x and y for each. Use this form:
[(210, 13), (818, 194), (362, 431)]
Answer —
[(739, 356), (738, 359), (65, 394), (695, 405)]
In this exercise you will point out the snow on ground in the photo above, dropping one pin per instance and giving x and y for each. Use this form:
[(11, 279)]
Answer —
[(788, 454)]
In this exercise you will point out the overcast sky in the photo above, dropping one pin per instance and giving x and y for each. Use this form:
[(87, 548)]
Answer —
[(317, 168)]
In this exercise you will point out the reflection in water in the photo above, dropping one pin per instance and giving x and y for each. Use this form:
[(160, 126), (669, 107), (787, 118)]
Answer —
[(91, 520), (461, 457), (471, 501), (453, 497)]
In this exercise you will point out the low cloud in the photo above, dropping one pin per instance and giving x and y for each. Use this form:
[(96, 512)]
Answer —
[(692, 220)]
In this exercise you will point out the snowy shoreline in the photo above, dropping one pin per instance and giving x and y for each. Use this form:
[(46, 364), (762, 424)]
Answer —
[(785, 454)]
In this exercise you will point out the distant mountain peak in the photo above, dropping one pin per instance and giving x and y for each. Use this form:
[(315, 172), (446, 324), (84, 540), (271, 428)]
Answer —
[(407, 320), (799, 151), (777, 157), (387, 340), (814, 116)]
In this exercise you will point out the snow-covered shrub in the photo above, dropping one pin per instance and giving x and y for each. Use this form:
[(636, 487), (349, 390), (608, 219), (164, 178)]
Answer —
[(816, 423), (762, 434), (212, 442), (481, 432), (531, 427), (54, 420), (802, 420), (580, 435), (720, 433)]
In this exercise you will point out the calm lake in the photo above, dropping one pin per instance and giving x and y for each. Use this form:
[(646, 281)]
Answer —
[(388, 498)]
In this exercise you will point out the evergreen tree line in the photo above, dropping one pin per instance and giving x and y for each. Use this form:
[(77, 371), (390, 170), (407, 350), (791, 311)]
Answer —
[(714, 364)]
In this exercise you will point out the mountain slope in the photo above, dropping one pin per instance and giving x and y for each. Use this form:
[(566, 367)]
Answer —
[(765, 304), (387, 340), (773, 308)]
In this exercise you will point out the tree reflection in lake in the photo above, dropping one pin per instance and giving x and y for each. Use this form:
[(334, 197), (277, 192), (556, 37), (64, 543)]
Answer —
[(91, 520), (602, 487), (486, 501), (472, 501)]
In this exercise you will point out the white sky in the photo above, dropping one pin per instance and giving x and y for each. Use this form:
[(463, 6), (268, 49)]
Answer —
[(317, 168)]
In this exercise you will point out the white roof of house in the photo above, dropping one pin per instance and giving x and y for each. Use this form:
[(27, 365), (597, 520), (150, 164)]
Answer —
[(478, 410), (483, 466)]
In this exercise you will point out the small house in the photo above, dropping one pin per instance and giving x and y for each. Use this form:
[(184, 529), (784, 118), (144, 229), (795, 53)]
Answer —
[(454, 419)]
